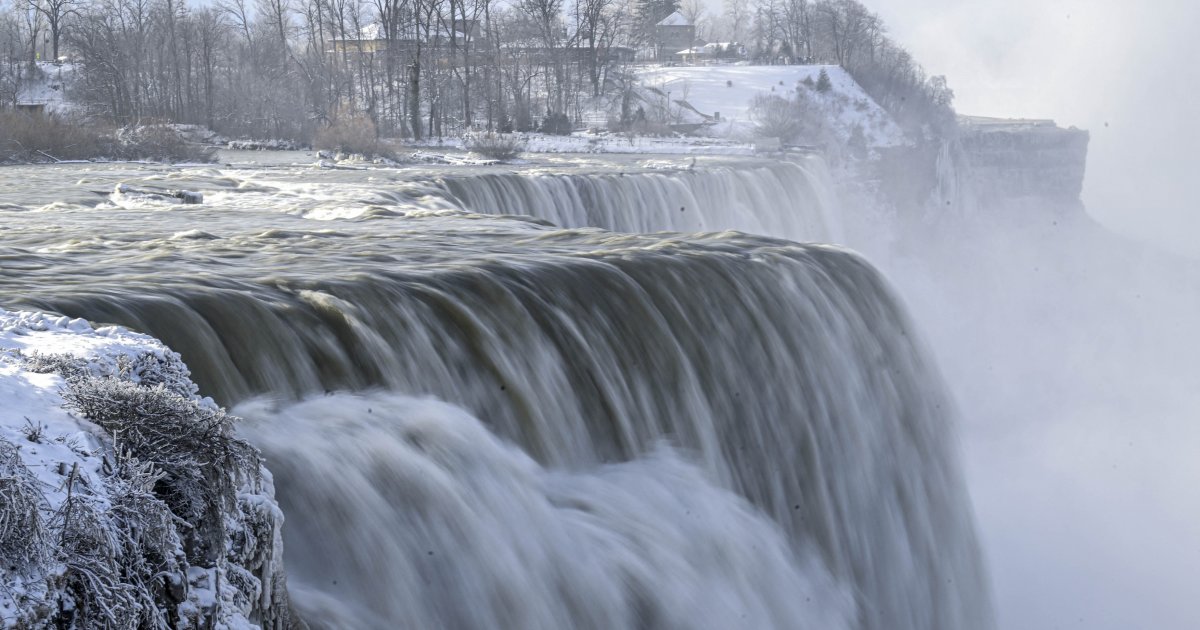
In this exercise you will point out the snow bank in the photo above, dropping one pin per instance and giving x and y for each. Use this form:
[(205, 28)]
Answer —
[(125, 502), (585, 142)]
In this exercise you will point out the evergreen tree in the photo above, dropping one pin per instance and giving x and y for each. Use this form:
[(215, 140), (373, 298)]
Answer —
[(651, 12), (823, 82)]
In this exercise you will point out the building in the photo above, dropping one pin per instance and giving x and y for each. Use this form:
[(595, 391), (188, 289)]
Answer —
[(370, 40), (673, 34), (705, 52)]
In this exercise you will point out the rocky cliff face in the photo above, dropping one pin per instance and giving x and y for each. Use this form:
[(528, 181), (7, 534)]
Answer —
[(989, 171), (1015, 159)]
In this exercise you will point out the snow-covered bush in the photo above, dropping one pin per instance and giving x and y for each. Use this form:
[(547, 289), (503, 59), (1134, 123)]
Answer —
[(775, 117), (191, 444), (264, 145), (352, 133), (22, 530), (160, 143), (801, 118), (119, 553), (495, 146), (557, 124), (63, 365)]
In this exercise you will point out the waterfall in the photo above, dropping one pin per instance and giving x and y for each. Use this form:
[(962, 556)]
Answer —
[(468, 532), (791, 199), (955, 191), (595, 383)]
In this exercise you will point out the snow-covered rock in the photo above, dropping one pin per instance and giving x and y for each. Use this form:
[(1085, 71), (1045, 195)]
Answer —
[(1009, 159), (125, 500)]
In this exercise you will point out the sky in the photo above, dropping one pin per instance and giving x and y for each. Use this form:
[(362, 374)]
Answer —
[(1128, 72)]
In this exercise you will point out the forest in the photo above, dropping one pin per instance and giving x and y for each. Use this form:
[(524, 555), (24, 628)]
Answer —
[(418, 69)]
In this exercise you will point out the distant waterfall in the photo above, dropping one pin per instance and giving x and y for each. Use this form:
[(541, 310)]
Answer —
[(787, 199), (955, 190)]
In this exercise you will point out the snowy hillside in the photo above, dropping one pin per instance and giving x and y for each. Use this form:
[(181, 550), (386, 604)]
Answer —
[(49, 85), (700, 92)]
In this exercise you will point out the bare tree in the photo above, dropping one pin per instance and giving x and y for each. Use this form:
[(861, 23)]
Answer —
[(798, 27), (696, 12), (594, 23), (56, 13), (546, 15), (737, 16)]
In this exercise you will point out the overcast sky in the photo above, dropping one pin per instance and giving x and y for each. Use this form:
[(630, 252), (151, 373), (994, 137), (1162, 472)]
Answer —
[(1127, 71)]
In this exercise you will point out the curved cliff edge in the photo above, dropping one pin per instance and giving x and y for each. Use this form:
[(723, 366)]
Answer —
[(125, 499)]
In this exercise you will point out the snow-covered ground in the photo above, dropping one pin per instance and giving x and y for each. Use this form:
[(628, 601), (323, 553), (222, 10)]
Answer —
[(587, 142), (704, 91)]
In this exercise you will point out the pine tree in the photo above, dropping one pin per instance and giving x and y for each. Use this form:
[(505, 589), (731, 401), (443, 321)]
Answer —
[(651, 12), (823, 82)]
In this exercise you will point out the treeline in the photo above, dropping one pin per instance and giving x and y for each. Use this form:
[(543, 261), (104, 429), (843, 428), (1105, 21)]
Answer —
[(414, 68)]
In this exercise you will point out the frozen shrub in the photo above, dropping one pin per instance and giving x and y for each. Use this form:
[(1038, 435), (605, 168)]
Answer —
[(148, 369), (775, 117), (34, 431), (192, 444), (63, 365), (798, 119), (494, 145), (351, 134), (160, 143), (557, 124), (98, 595), (35, 137), (23, 535), (149, 408), (121, 559)]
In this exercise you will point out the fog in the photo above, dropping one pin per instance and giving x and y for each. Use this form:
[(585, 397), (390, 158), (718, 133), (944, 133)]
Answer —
[(1072, 351)]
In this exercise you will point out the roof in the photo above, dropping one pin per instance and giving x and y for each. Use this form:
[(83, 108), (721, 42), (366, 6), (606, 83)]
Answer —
[(372, 31), (675, 19), (711, 48)]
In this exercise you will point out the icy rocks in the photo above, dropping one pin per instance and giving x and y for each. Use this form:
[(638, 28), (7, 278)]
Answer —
[(137, 507)]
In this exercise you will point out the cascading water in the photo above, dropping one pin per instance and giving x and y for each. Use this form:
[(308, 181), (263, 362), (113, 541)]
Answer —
[(468, 532), (785, 374), (798, 193)]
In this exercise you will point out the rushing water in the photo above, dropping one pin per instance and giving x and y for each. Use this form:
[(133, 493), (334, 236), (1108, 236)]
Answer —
[(659, 431)]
